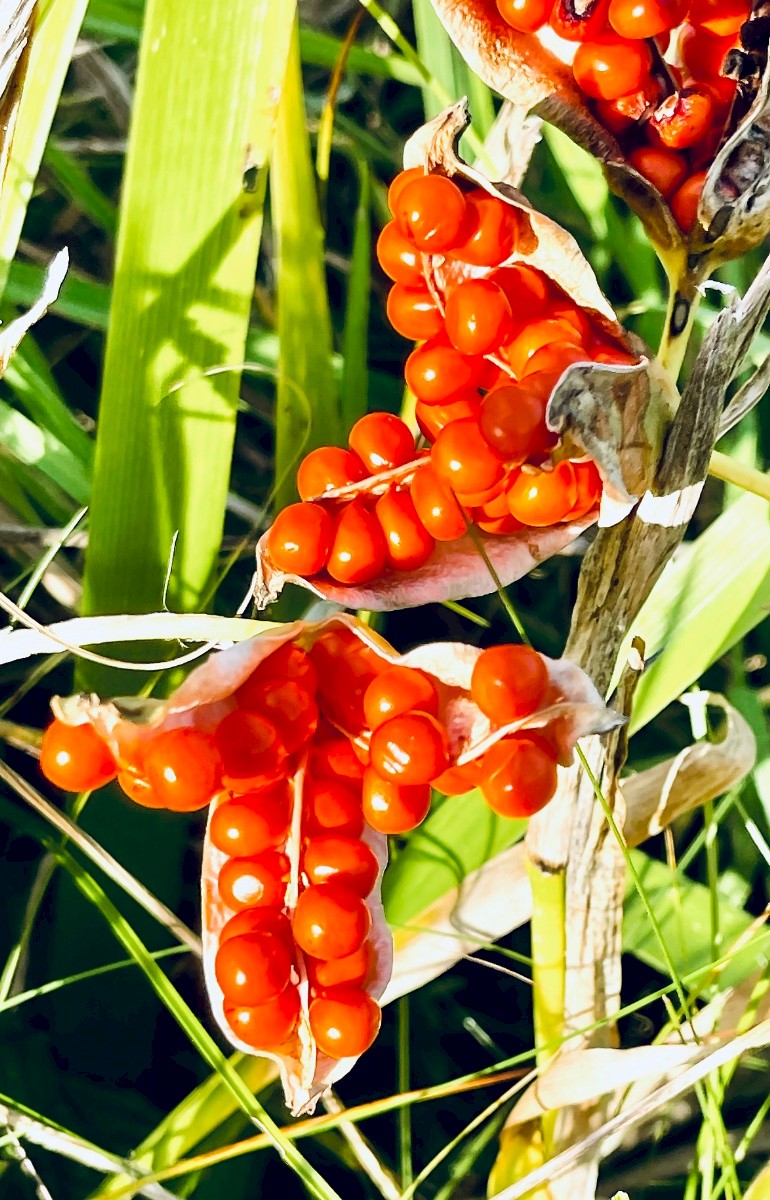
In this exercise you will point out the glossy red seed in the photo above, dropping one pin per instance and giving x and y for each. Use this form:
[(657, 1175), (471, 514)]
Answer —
[(326, 469), (258, 920), (611, 67), (254, 882), (489, 233), (478, 317), (289, 706), (251, 751), (409, 545), (463, 459), (518, 776), (332, 807), (436, 506), (330, 921), (430, 210), (251, 823), (399, 258), (665, 169), (344, 1022), (394, 808), (399, 690), (343, 859), (298, 541), (382, 441), (436, 372), (542, 498), (410, 749), (526, 16), (265, 1026), (350, 971), (358, 551), (74, 757), (512, 420), (509, 683), (252, 968), (413, 312), (182, 767)]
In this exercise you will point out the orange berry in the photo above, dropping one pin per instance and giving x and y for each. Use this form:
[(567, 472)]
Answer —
[(398, 257), (299, 539), (542, 498), (391, 807), (436, 372), (74, 757), (611, 67), (410, 748), (665, 170), (344, 1022), (463, 459), (509, 682), (526, 16), (436, 506), (478, 317), (518, 775), (358, 551), (413, 312), (381, 441), (409, 545), (646, 18), (489, 233), (431, 210), (685, 201), (326, 469), (396, 691)]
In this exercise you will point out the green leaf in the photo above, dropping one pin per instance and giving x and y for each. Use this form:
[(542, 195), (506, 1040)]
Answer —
[(307, 410), (52, 44), (75, 182), (447, 67), (36, 447), (704, 603), (682, 909), (459, 837), (208, 78), (355, 374)]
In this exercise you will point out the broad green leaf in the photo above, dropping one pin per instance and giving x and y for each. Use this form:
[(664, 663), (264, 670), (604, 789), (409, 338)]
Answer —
[(682, 909), (704, 603), (208, 80), (458, 837), (307, 411)]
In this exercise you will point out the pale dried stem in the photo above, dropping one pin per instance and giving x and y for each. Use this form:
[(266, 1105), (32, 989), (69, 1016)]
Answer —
[(572, 837)]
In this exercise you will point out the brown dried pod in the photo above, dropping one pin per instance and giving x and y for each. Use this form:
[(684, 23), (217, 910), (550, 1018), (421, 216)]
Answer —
[(570, 707), (533, 70)]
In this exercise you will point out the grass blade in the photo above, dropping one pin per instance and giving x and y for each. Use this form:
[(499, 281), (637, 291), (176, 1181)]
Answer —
[(307, 409), (355, 375), (183, 282)]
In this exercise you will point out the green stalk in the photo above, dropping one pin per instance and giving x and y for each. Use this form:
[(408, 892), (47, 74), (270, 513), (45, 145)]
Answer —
[(683, 299), (549, 944), (190, 221)]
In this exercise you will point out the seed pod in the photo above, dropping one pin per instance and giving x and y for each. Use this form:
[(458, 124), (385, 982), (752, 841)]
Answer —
[(516, 287), (535, 73), (256, 928)]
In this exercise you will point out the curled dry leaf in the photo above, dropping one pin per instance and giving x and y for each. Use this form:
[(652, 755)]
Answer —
[(535, 70), (11, 334), (351, 656)]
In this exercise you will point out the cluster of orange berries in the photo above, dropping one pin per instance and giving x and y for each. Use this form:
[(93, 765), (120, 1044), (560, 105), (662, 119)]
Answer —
[(653, 72), (369, 736), (492, 349)]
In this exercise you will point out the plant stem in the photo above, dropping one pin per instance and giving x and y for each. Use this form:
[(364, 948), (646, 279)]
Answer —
[(722, 466), (683, 300), (548, 970)]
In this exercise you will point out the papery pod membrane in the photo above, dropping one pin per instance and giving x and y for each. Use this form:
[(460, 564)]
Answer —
[(572, 708), (533, 71), (455, 570)]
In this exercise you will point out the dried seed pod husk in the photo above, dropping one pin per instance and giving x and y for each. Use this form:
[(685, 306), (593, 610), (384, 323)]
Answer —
[(733, 213), (572, 708)]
